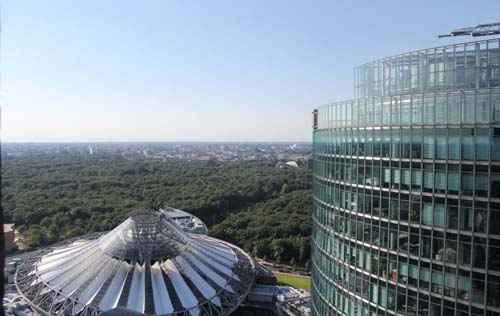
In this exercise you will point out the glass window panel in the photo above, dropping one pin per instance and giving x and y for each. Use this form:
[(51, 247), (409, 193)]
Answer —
[(468, 108), (495, 152), (386, 106), (417, 109), (454, 108), (495, 105), (395, 111), (452, 217), (416, 144), (467, 183), (481, 184), (428, 178), (483, 108), (467, 144), (427, 214), (416, 178), (406, 144), (428, 110), (464, 253), (405, 110), (453, 181), (441, 144), (454, 144), (406, 177), (429, 141), (466, 218), (437, 282), (440, 109), (440, 180), (439, 215), (482, 144)]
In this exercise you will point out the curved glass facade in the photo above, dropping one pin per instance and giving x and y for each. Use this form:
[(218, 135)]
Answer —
[(407, 188)]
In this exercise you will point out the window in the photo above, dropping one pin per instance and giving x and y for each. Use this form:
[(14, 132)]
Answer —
[(428, 178), (452, 216), (453, 180), (481, 184), (483, 108), (454, 108), (405, 110), (495, 104), (395, 143), (467, 143), (417, 109), (467, 181), (416, 179), (464, 252), (442, 146), (429, 141), (468, 109), (386, 109), (395, 111), (454, 144), (437, 282), (406, 179), (406, 144), (480, 219), (439, 215), (466, 218), (496, 144), (440, 109), (377, 111), (482, 144), (428, 110), (427, 214), (440, 179)]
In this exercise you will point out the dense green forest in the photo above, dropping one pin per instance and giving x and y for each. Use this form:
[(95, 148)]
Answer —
[(264, 209), (277, 229)]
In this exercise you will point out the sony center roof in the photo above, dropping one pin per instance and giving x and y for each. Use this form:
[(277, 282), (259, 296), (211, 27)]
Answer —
[(148, 265)]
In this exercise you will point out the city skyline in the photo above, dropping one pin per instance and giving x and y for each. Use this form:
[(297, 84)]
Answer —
[(166, 71)]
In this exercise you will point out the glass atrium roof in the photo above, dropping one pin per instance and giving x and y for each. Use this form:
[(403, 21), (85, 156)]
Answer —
[(148, 265)]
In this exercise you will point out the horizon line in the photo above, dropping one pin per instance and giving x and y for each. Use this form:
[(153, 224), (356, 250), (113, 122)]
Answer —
[(156, 141)]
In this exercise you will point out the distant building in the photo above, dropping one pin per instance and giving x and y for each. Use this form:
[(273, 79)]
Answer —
[(188, 222), (406, 215), (264, 276), (9, 236)]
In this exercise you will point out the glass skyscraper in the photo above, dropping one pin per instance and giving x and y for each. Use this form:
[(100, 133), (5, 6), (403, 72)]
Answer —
[(407, 187)]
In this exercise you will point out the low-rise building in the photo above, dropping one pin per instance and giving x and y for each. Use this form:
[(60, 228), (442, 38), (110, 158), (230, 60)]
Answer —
[(9, 236)]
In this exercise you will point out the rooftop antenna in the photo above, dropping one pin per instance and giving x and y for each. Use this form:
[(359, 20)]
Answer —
[(475, 31)]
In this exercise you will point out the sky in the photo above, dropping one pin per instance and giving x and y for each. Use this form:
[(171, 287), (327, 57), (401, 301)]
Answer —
[(88, 71)]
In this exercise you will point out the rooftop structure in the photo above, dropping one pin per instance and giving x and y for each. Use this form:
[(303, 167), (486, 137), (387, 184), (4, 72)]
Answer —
[(479, 30), (148, 265), (188, 222)]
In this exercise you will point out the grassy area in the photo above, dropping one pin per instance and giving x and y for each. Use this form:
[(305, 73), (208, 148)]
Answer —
[(297, 281)]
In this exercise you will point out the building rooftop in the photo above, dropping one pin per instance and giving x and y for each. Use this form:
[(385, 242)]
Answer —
[(148, 265), (8, 228)]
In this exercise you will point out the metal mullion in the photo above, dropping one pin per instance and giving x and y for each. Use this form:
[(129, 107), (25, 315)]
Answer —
[(455, 73), (477, 71)]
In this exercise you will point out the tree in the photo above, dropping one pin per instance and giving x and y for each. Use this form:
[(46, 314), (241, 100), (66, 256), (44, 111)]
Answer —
[(36, 237)]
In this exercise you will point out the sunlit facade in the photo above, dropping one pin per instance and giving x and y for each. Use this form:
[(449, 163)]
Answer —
[(151, 264), (407, 187)]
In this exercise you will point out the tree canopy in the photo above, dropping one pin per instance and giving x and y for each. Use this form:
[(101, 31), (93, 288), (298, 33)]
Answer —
[(264, 209)]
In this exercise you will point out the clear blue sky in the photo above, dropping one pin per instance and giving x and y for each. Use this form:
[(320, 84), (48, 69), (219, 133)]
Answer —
[(199, 70)]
